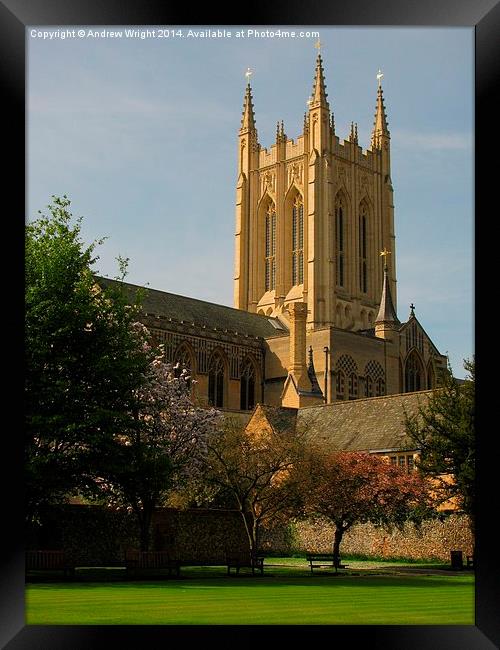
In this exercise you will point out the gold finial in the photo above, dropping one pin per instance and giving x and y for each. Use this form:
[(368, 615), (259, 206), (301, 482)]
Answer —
[(248, 74), (384, 254), (317, 45), (380, 76)]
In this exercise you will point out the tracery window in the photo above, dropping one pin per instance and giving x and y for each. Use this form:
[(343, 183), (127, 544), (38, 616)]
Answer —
[(340, 241), (413, 373), (270, 247), (353, 386), (216, 381), (298, 241), (368, 386), (340, 384), (247, 386), (380, 387)]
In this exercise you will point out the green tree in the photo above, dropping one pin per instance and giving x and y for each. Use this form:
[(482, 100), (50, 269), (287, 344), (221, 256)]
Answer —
[(83, 359), (443, 431), (253, 471)]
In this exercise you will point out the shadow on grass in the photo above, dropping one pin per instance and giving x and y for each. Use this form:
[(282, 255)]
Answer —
[(193, 580)]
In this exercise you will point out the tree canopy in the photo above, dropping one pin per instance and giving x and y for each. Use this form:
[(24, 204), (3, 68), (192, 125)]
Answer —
[(253, 470), (83, 358), (350, 488), (444, 433)]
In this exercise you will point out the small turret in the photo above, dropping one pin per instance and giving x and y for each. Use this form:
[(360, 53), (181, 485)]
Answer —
[(387, 320)]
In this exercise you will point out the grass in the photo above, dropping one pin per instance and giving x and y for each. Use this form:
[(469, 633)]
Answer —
[(287, 595)]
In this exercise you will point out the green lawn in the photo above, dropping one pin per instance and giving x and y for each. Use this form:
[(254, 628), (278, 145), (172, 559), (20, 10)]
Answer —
[(287, 596)]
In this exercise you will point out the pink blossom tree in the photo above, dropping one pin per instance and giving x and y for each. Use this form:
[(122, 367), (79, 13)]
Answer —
[(162, 449)]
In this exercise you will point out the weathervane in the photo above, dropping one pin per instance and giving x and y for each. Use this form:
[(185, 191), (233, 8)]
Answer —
[(248, 74), (384, 254), (380, 76), (317, 45)]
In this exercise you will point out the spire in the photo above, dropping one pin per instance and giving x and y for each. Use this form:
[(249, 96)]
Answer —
[(386, 313), (248, 118), (319, 93), (380, 123), (311, 373)]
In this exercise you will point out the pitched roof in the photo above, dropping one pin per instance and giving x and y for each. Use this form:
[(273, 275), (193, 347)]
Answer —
[(372, 424), (201, 313), (281, 418)]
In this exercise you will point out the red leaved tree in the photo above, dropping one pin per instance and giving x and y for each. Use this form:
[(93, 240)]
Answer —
[(350, 488)]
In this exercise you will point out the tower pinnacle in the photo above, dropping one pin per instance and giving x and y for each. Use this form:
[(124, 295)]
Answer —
[(248, 117), (319, 93), (380, 124)]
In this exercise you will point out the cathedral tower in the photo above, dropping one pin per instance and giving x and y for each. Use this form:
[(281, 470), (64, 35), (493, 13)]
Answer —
[(312, 215)]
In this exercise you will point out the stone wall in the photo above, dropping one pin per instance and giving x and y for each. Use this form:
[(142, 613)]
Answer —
[(434, 540), (96, 536)]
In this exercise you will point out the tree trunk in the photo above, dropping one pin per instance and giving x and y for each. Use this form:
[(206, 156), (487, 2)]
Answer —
[(249, 530), (337, 538)]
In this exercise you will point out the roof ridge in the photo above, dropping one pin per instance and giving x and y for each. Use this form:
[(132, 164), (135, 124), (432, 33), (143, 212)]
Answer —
[(366, 399), (179, 295)]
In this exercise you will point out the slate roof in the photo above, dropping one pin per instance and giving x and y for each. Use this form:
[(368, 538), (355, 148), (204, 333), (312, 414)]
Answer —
[(281, 418), (372, 424), (201, 313)]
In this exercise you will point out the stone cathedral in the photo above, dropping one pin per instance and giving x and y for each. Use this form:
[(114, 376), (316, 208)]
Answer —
[(315, 294)]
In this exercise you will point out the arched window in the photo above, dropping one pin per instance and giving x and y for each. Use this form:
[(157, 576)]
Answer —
[(363, 255), (340, 384), (247, 386), (216, 381), (353, 386), (183, 361), (298, 241), (413, 373), (270, 247), (368, 386), (340, 240), (380, 387)]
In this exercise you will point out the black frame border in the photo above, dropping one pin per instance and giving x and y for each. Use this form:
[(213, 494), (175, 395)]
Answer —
[(15, 16)]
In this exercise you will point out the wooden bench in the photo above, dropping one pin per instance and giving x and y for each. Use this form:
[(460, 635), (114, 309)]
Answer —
[(137, 561), (238, 561), (320, 560), (49, 561)]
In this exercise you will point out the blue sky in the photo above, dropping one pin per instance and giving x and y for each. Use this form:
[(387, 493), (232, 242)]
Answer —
[(141, 135)]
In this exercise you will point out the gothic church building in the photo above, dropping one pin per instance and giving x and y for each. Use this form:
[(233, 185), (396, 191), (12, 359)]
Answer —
[(315, 293)]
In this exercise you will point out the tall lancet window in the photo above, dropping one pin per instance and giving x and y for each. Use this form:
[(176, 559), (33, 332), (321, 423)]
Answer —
[(413, 373), (363, 256), (270, 248), (298, 241), (247, 386), (216, 381), (340, 240)]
